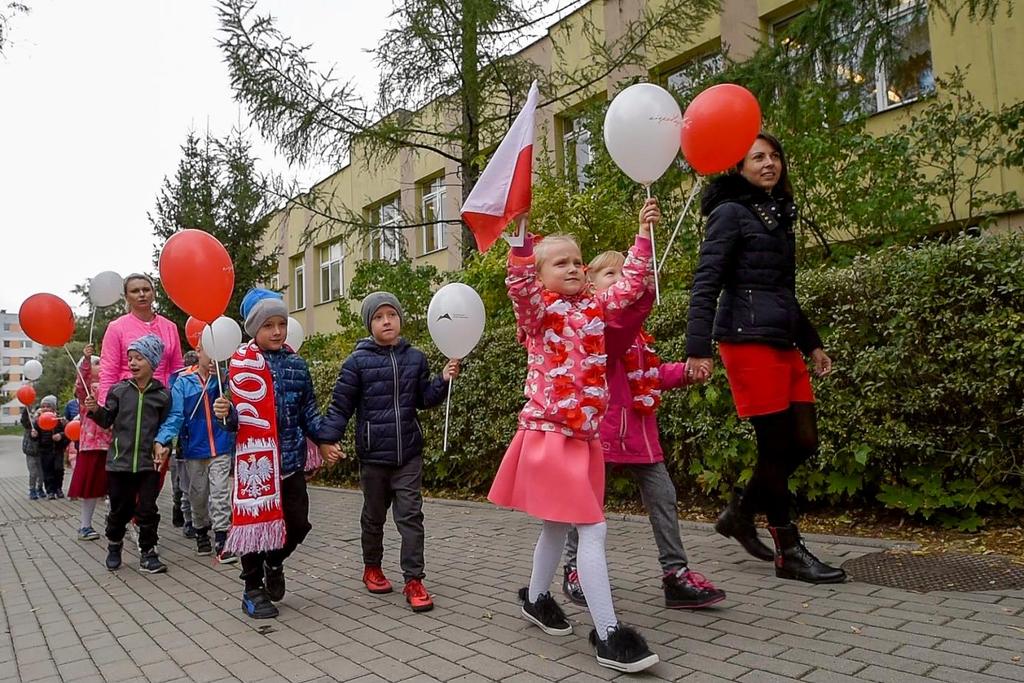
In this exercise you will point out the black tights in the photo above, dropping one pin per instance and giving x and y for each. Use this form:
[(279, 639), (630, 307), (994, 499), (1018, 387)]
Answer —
[(785, 440)]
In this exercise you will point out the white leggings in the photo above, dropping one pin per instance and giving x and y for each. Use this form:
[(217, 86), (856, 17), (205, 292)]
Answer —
[(591, 566)]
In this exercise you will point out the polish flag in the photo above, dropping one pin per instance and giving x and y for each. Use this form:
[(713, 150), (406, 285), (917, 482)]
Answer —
[(503, 191)]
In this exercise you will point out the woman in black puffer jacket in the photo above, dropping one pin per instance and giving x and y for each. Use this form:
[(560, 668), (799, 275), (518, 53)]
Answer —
[(744, 298)]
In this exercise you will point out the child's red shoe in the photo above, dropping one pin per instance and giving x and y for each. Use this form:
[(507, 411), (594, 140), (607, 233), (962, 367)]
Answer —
[(375, 581), (417, 596)]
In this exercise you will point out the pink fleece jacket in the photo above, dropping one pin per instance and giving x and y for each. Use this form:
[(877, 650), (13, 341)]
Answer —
[(114, 352), (629, 437), (566, 389), (94, 437)]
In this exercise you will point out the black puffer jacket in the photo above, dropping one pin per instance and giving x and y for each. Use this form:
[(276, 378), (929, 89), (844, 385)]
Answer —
[(749, 258), (384, 386)]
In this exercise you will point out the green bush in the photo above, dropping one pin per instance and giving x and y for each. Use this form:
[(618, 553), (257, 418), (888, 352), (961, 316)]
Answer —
[(923, 413)]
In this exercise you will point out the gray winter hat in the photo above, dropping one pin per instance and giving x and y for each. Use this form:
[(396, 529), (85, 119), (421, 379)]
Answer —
[(49, 400), (374, 301)]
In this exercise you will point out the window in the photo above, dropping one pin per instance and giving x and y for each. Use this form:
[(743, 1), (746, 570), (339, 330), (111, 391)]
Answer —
[(684, 80), (298, 284), (576, 149), (330, 272), (907, 76), (385, 243), (432, 209)]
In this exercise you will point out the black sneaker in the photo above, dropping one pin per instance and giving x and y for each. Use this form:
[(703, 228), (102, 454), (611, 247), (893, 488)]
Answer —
[(256, 604), (625, 650), (114, 556), (545, 613), (571, 586), (59, 494), (188, 531), (177, 516), (203, 545), (150, 563), (685, 589), (274, 579)]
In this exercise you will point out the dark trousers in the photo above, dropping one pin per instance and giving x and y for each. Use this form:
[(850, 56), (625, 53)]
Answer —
[(785, 440), (295, 506), (52, 463), (133, 494), (398, 488)]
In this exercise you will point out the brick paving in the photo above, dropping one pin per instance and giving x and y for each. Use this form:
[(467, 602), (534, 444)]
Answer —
[(64, 617)]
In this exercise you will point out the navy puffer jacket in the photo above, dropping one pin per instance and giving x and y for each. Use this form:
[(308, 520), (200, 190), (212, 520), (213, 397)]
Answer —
[(297, 415), (383, 386), (749, 258)]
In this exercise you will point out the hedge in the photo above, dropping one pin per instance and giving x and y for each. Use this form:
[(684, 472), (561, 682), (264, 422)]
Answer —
[(924, 412)]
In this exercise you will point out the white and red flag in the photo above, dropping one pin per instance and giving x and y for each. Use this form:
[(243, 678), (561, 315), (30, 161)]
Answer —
[(503, 191)]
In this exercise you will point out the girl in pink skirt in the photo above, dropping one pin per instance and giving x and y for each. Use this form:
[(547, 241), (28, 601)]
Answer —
[(554, 468), (89, 479)]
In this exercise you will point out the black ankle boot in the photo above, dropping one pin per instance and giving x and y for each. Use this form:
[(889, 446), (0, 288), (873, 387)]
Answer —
[(734, 523), (794, 561), (177, 516)]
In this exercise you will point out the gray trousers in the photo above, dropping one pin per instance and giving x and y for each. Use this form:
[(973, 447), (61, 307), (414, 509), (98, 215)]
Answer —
[(658, 494), (400, 489), (180, 483), (209, 492), (35, 472)]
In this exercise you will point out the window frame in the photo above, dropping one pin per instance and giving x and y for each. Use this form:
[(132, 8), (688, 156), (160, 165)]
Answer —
[(573, 138), (298, 283), (332, 261), (433, 191), (387, 243)]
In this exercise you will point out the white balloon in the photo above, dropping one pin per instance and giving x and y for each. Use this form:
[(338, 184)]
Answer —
[(106, 289), (33, 370), (296, 335), (455, 319), (221, 339), (641, 131)]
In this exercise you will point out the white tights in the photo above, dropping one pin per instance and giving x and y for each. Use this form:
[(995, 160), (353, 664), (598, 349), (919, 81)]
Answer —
[(591, 566), (88, 508)]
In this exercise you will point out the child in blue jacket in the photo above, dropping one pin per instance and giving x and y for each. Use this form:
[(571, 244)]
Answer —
[(384, 382), (207, 444)]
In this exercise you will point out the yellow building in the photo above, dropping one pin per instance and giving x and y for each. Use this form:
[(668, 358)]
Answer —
[(426, 186)]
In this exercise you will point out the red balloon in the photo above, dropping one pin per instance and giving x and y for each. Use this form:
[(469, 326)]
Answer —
[(73, 430), (47, 319), (719, 127), (27, 395), (48, 421), (196, 273), (194, 331)]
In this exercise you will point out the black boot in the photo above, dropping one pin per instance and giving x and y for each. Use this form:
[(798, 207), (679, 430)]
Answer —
[(203, 545), (735, 523), (794, 561), (177, 516)]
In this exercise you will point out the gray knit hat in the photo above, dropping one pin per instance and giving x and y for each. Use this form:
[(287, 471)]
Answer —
[(49, 400), (258, 306), (374, 301)]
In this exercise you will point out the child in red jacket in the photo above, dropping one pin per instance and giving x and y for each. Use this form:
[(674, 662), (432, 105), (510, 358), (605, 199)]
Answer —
[(629, 439)]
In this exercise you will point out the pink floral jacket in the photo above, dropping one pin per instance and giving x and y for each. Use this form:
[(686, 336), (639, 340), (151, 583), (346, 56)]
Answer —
[(94, 437), (566, 384)]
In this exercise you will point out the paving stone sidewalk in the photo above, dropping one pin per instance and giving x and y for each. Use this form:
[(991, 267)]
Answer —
[(64, 617)]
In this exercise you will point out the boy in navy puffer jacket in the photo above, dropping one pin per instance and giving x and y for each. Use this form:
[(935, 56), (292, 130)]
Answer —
[(384, 382)]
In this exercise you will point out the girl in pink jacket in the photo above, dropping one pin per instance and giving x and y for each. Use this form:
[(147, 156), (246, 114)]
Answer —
[(554, 467), (89, 478), (629, 439)]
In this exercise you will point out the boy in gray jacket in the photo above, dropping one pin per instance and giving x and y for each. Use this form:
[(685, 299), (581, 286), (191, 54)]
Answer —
[(135, 408)]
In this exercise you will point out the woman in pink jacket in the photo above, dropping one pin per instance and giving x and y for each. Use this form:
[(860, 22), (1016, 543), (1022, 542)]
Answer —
[(629, 439)]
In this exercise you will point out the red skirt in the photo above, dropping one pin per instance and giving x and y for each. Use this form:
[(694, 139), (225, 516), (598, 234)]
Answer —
[(552, 477), (764, 379), (89, 480)]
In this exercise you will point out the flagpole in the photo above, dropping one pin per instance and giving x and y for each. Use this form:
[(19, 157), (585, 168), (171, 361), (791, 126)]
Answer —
[(654, 257)]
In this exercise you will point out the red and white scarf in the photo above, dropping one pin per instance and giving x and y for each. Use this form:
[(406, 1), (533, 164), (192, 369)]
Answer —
[(642, 365), (257, 518)]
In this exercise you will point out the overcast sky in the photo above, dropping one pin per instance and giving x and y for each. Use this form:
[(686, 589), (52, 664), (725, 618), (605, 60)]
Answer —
[(95, 100)]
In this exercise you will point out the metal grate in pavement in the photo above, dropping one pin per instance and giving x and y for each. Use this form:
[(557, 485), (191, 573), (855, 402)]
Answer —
[(940, 572)]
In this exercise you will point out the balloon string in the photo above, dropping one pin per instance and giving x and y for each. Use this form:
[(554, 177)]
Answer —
[(686, 210), (447, 412), (78, 371), (92, 324), (654, 257)]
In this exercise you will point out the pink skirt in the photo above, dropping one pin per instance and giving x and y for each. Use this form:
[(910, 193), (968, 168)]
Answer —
[(89, 480), (552, 477)]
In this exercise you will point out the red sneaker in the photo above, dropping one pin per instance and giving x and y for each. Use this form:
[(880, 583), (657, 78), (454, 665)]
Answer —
[(375, 581), (417, 596)]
